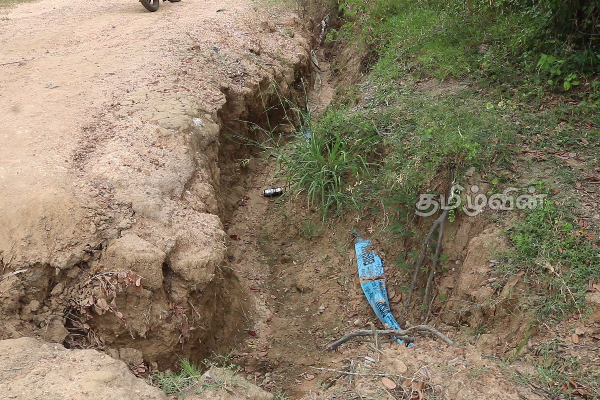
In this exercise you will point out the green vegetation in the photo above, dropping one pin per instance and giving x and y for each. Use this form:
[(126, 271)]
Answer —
[(450, 85), (330, 158), (188, 379), (178, 384), (557, 372), (558, 255)]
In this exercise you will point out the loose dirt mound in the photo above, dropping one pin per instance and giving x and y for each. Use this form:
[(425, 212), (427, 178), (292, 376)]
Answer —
[(36, 370), (112, 162)]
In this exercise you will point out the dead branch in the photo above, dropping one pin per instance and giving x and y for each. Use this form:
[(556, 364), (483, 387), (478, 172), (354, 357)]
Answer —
[(435, 225), (16, 62), (439, 223), (436, 257), (400, 334), (3, 277), (355, 373)]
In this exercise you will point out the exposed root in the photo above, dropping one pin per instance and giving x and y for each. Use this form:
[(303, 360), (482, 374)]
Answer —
[(400, 334), (437, 225)]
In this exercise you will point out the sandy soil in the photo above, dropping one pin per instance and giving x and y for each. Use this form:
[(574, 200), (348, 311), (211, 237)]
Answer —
[(111, 160)]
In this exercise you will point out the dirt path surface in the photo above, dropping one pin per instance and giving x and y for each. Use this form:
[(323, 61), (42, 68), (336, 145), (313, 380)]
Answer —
[(112, 160)]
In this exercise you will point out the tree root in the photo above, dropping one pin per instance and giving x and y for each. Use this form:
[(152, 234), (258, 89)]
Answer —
[(438, 223), (400, 334)]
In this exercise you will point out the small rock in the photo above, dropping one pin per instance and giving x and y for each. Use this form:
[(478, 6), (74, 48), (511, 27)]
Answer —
[(58, 289), (357, 322), (131, 356), (398, 366), (55, 332)]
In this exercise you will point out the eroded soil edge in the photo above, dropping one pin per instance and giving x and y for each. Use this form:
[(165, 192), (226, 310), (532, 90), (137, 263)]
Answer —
[(135, 177)]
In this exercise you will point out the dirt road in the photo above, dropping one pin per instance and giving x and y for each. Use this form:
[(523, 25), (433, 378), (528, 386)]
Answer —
[(111, 160)]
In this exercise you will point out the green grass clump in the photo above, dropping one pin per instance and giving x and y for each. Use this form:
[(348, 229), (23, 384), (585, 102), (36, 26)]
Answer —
[(557, 254), (179, 383), (330, 159)]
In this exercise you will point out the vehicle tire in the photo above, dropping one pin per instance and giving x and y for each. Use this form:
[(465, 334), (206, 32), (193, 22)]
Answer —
[(150, 5)]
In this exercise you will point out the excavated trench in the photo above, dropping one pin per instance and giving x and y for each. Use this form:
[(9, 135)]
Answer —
[(144, 276), (206, 316)]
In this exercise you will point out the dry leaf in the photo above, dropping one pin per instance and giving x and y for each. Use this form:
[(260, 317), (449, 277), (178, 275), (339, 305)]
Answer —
[(573, 383), (101, 302), (388, 383), (138, 281), (309, 377), (574, 338), (579, 331)]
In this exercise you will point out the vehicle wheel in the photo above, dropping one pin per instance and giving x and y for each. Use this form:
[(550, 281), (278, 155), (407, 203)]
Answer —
[(150, 5)]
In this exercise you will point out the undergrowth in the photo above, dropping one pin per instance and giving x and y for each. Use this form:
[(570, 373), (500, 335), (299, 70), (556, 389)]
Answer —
[(452, 86), (559, 255), (189, 378)]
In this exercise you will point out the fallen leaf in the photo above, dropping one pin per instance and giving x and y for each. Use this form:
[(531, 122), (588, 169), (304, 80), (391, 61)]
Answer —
[(262, 354), (309, 377), (574, 338), (388, 383), (579, 331), (101, 303), (585, 142), (573, 383)]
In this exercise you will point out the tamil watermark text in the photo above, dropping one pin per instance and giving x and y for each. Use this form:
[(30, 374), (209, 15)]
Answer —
[(474, 203)]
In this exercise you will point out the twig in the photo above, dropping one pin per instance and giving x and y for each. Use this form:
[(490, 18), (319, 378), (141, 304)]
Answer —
[(438, 223), (17, 62), (20, 271), (435, 225), (436, 257), (375, 338), (355, 373), (400, 334), (334, 380)]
